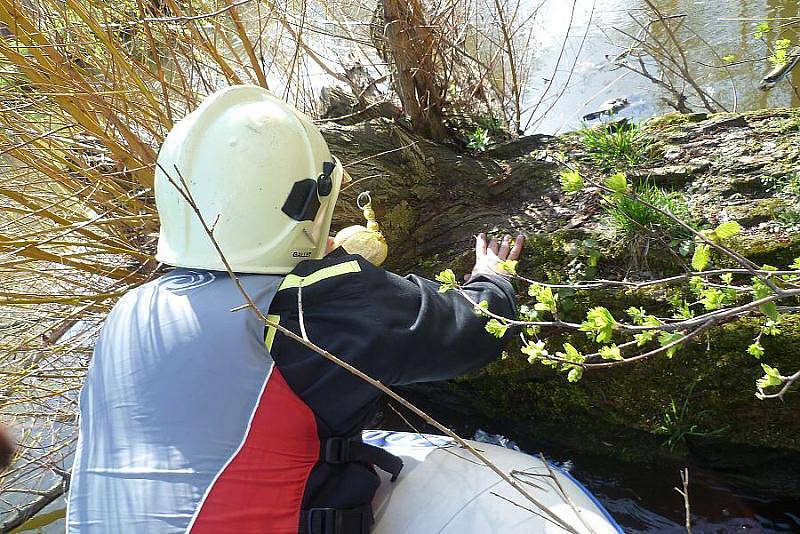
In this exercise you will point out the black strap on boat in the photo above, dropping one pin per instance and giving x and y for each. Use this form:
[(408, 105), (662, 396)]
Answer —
[(337, 520), (343, 450)]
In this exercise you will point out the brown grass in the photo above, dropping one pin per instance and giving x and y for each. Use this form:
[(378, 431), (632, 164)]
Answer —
[(89, 89)]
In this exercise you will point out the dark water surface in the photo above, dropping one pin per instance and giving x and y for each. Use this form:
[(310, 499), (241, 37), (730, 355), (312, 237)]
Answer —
[(641, 496), (642, 499)]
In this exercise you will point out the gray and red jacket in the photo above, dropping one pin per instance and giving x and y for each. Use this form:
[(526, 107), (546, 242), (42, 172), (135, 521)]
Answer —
[(196, 418)]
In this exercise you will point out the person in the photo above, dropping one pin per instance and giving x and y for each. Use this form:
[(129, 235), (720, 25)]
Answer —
[(195, 416)]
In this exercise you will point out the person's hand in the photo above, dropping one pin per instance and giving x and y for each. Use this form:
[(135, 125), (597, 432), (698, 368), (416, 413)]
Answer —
[(489, 255)]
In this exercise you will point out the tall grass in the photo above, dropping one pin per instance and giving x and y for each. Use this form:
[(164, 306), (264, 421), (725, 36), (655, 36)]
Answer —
[(89, 90)]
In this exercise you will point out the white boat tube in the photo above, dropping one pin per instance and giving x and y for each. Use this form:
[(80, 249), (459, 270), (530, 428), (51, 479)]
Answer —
[(443, 489)]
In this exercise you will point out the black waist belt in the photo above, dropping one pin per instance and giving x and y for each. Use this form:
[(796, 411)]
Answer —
[(337, 520), (343, 450), (348, 520)]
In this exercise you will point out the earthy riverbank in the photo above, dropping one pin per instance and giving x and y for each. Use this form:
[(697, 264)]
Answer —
[(728, 166)]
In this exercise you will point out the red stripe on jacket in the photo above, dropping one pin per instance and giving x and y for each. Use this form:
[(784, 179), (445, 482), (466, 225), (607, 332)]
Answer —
[(261, 490)]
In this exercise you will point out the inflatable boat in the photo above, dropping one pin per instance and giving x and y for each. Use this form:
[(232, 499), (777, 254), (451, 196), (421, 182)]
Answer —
[(443, 489)]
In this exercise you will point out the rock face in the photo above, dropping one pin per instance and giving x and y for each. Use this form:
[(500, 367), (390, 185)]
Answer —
[(431, 199)]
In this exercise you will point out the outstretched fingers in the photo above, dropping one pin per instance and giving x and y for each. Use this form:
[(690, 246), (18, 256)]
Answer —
[(494, 246), (480, 245), (516, 250)]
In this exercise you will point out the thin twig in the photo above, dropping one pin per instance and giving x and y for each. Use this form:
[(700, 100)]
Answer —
[(685, 494), (787, 383), (564, 494), (187, 18)]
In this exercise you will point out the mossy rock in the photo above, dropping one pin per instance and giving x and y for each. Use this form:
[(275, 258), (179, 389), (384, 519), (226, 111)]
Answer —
[(624, 407), (673, 119), (619, 411)]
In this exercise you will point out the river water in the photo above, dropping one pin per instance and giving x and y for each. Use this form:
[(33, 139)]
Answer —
[(585, 75)]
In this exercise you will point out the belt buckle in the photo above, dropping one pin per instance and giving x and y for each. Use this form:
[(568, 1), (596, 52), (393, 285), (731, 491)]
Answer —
[(337, 450)]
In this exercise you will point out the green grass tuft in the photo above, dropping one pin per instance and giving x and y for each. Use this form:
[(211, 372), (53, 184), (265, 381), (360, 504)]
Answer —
[(615, 146), (630, 217)]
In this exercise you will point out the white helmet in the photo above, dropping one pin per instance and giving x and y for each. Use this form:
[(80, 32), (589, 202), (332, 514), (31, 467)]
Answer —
[(260, 171)]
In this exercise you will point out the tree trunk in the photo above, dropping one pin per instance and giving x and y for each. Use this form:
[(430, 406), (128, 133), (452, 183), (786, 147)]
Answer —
[(431, 198), (413, 49)]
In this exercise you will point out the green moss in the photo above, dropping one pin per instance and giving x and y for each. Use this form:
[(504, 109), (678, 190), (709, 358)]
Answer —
[(758, 211), (626, 405), (673, 119), (779, 251), (401, 219)]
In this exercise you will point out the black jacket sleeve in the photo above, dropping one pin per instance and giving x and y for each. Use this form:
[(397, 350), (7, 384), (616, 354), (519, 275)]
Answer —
[(397, 330), (435, 336)]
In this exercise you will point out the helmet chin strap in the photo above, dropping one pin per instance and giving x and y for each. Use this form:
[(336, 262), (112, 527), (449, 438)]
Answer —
[(310, 237)]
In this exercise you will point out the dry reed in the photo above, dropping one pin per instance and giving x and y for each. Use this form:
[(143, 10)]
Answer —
[(89, 89)]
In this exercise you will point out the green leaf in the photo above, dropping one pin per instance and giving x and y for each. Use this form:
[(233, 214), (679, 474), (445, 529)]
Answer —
[(651, 320), (637, 315), (756, 350), (601, 323), (701, 256), (761, 290), (481, 307), (509, 266), (571, 354), (571, 181), (610, 352), (666, 338), (697, 285), (496, 328), (727, 278), (447, 280), (526, 313), (545, 299), (712, 298), (770, 309), (795, 264), (643, 338), (535, 351), (532, 331), (761, 29), (617, 182), (727, 229), (770, 379), (730, 58), (771, 327), (683, 311), (479, 139), (575, 374)]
